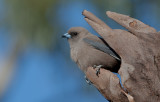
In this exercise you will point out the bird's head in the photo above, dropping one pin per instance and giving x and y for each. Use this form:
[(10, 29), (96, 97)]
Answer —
[(75, 33)]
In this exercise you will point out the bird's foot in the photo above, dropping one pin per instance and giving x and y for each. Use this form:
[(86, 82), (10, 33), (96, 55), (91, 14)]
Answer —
[(87, 80), (97, 69)]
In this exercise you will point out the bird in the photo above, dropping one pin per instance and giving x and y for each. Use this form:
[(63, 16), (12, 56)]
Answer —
[(88, 50)]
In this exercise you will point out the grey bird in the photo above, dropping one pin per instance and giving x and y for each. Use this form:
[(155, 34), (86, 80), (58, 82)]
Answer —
[(88, 50)]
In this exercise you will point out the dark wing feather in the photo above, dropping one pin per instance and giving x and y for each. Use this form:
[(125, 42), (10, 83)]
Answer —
[(102, 47)]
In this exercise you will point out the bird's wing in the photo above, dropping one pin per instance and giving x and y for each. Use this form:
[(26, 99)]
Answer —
[(102, 47)]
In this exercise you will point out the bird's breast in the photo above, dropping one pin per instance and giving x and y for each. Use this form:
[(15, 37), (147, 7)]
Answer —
[(74, 54)]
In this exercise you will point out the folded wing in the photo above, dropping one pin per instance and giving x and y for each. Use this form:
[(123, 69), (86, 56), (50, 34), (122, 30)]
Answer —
[(102, 47)]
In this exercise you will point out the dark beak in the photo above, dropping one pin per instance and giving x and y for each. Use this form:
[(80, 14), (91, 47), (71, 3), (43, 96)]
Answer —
[(66, 35)]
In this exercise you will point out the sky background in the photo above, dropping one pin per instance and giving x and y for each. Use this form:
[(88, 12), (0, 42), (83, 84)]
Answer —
[(34, 59)]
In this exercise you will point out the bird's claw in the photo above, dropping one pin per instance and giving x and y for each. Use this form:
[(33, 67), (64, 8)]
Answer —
[(98, 69), (94, 66), (87, 80)]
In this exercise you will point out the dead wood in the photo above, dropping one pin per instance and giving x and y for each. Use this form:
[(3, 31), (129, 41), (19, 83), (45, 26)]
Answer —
[(139, 49)]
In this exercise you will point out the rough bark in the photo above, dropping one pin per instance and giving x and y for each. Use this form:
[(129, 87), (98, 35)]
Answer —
[(139, 49)]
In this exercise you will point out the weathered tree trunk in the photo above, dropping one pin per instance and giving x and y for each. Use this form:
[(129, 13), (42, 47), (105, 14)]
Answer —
[(139, 49)]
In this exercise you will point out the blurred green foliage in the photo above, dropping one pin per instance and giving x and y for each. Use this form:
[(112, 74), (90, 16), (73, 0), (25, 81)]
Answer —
[(120, 6), (28, 19), (125, 6)]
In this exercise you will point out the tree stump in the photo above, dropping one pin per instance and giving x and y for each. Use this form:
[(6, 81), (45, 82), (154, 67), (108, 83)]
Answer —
[(139, 49)]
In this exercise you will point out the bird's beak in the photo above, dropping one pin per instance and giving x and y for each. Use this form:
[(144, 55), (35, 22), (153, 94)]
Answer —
[(66, 35)]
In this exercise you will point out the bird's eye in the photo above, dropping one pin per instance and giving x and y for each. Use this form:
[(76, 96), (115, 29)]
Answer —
[(74, 33)]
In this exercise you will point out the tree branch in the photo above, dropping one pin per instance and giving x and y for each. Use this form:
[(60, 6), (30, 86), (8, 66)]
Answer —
[(140, 60)]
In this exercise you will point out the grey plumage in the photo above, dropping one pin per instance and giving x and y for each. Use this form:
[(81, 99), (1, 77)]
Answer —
[(88, 50), (102, 47)]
